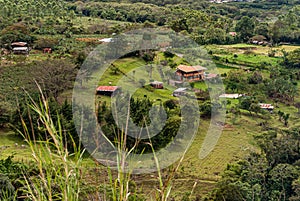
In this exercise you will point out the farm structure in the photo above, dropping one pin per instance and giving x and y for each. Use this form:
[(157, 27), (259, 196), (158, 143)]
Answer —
[(265, 106), (180, 92), (233, 96), (190, 73), (157, 85), (20, 48), (107, 90)]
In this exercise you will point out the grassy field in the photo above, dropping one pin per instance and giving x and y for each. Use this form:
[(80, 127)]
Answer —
[(11, 144), (249, 55), (257, 49)]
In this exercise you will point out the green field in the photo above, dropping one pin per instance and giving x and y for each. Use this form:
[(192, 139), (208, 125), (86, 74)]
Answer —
[(12, 144)]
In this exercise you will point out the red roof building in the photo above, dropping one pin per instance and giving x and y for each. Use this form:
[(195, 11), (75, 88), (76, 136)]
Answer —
[(107, 90), (266, 106)]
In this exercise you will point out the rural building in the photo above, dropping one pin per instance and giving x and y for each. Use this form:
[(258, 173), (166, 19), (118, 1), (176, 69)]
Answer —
[(179, 92), (47, 50), (234, 96), (210, 76), (190, 73), (20, 48), (106, 40), (233, 34), (266, 106), (107, 90), (157, 85)]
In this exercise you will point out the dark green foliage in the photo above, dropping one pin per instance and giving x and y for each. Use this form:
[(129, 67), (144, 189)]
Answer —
[(168, 54), (245, 26), (16, 32), (7, 190), (270, 175), (208, 108), (62, 113), (139, 113), (255, 78), (11, 177), (292, 60)]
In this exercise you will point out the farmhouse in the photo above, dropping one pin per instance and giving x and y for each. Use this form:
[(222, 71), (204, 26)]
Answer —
[(107, 90), (190, 73), (179, 92), (20, 48), (157, 85)]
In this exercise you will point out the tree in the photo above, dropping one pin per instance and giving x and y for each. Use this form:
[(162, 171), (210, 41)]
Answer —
[(5, 112), (254, 107), (281, 178), (245, 26), (286, 119), (7, 190), (262, 29), (214, 35), (292, 59), (255, 78), (53, 75)]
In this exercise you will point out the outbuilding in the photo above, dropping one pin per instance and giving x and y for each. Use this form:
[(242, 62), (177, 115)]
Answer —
[(157, 85), (180, 92), (107, 90)]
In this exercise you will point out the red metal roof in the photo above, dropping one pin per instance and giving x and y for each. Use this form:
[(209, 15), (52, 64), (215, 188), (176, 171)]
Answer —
[(266, 106), (107, 88), (188, 69)]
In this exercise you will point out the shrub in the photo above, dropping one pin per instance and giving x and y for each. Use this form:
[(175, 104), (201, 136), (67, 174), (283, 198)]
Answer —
[(7, 190)]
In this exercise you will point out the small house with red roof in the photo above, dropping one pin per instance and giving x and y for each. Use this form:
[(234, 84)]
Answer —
[(107, 90), (190, 73)]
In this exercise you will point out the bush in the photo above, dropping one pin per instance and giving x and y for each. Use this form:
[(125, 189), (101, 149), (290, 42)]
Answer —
[(46, 42), (7, 190)]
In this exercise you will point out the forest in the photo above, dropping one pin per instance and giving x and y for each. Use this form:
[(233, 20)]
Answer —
[(250, 49)]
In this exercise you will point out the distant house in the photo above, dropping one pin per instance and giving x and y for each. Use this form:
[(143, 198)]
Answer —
[(20, 48), (157, 85), (107, 90), (106, 40), (210, 76), (179, 92), (266, 106), (47, 50), (233, 96), (233, 34), (190, 73)]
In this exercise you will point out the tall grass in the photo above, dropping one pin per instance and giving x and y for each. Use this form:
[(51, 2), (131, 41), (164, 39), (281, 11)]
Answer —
[(59, 171), (59, 174)]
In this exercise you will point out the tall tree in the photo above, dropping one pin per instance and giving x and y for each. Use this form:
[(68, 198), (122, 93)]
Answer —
[(245, 27)]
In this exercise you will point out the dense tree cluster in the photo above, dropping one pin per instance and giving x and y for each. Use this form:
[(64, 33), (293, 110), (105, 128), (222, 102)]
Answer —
[(139, 113), (272, 174)]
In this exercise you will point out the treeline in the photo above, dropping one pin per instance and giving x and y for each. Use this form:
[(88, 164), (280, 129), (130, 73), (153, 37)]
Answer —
[(205, 27), (235, 10), (210, 25)]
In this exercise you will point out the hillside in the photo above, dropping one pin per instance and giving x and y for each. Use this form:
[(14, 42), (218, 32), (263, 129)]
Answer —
[(92, 109)]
